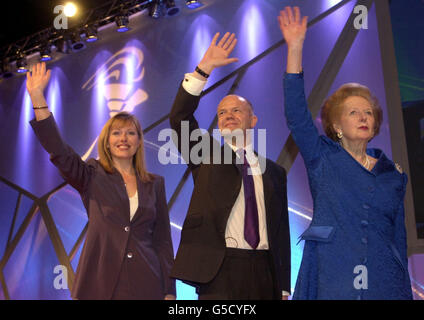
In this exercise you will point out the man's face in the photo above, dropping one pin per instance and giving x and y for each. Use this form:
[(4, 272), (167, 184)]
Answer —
[(235, 113)]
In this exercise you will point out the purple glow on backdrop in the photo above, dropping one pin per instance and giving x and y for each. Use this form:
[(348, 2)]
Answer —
[(98, 109), (29, 271), (327, 4), (202, 37), (252, 30), (24, 135), (69, 215), (54, 98)]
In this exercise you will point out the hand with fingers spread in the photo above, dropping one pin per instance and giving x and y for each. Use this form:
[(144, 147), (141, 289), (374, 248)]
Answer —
[(37, 81), (217, 53), (293, 28)]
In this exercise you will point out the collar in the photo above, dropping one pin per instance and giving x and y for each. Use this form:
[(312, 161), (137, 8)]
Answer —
[(383, 164), (248, 149), (257, 162)]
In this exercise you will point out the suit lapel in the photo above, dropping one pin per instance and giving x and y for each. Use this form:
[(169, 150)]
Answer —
[(268, 192), (144, 196), (121, 192), (224, 187)]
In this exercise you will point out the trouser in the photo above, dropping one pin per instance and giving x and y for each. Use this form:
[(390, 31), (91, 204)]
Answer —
[(244, 275)]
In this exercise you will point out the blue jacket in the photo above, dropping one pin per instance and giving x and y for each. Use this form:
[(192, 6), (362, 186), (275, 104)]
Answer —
[(355, 246)]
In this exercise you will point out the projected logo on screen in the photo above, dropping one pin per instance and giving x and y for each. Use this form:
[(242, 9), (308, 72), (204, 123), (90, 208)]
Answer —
[(117, 80)]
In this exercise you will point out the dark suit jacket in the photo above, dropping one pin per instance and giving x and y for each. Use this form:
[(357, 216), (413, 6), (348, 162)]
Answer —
[(104, 260), (216, 187)]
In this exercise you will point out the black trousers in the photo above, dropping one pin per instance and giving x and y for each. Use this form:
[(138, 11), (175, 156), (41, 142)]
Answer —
[(244, 275)]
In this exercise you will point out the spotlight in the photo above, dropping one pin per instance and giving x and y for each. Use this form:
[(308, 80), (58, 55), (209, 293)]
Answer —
[(76, 43), (170, 7), (46, 53), (122, 22), (91, 34), (70, 9), (193, 4), (155, 9), (21, 63)]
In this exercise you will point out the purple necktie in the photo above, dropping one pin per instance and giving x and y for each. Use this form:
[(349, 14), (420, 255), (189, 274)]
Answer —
[(251, 220)]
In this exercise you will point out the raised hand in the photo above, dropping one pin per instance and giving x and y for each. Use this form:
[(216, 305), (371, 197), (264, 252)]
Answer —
[(38, 79), (217, 54), (293, 29), (292, 26)]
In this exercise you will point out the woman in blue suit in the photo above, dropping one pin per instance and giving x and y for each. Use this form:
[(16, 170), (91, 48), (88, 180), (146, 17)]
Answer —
[(355, 247)]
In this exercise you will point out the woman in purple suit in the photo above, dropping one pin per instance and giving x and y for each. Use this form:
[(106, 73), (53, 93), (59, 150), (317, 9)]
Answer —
[(128, 249)]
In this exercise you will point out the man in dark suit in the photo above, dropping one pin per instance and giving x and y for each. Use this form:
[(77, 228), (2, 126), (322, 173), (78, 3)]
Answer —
[(235, 241)]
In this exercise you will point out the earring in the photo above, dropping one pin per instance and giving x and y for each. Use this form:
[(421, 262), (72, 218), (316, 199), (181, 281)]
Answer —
[(340, 135)]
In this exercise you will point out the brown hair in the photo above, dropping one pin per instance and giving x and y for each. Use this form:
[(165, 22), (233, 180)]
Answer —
[(105, 157), (332, 109)]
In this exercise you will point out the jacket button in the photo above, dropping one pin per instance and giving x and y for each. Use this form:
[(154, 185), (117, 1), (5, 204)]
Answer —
[(364, 240), (365, 206), (129, 255), (127, 229), (364, 223)]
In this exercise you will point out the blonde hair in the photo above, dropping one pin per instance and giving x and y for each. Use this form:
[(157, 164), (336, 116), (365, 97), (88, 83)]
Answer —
[(105, 157), (332, 109)]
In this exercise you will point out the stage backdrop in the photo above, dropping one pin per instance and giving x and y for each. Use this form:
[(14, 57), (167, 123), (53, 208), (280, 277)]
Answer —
[(43, 221)]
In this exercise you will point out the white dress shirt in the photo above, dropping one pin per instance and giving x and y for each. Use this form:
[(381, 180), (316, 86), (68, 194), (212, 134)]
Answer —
[(133, 205), (234, 232)]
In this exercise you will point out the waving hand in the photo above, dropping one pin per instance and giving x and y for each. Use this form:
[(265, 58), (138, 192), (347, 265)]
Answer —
[(217, 54)]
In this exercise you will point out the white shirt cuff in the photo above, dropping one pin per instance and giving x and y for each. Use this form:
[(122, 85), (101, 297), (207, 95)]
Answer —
[(285, 293), (193, 85)]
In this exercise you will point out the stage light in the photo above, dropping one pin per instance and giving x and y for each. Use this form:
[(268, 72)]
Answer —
[(193, 4), (70, 9), (76, 43), (170, 7), (46, 53), (155, 9), (91, 34), (21, 63), (122, 22)]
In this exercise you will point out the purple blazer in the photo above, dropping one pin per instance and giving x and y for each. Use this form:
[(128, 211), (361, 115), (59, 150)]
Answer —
[(120, 258)]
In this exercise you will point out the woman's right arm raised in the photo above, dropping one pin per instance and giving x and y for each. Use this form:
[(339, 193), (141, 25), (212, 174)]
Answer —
[(293, 29), (299, 119), (37, 81), (75, 171)]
